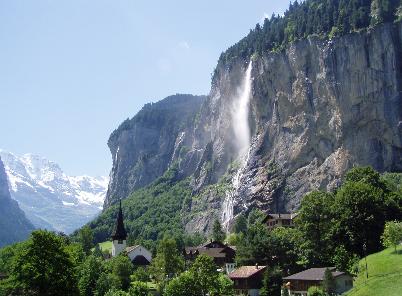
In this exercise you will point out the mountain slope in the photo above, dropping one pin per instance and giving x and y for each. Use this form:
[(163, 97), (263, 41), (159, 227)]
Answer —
[(288, 113), (50, 198), (14, 226)]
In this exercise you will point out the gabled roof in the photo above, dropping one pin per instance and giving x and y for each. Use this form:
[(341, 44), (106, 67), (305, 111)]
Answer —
[(313, 274), (246, 272), (119, 232)]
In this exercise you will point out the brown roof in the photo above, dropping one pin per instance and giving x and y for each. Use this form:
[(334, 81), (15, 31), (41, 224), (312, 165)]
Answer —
[(246, 271), (313, 274), (281, 216)]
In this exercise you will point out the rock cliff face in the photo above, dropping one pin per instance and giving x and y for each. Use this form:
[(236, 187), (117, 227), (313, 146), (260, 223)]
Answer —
[(144, 146), (14, 226), (316, 109)]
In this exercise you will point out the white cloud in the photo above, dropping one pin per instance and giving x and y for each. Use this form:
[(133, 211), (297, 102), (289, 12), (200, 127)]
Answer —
[(265, 16), (184, 45)]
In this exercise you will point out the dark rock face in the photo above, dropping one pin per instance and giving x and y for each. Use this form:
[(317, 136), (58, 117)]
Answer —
[(144, 146), (317, 109), (14, 226)]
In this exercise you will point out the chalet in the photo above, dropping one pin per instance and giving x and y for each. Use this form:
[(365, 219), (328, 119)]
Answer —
[(247, 280), (138, 255), (298, 284), (279, 220), (223, 254)]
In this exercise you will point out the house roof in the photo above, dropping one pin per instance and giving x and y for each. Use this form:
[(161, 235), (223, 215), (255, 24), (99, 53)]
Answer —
[(119, 232), (280, 216), (246, 272), (313, 274), (132, 248)]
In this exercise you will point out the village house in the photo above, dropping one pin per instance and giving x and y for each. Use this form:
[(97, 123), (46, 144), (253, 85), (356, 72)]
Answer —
[(138, 255), (299, 283), (279, 220), (247, 280), (223, 254)]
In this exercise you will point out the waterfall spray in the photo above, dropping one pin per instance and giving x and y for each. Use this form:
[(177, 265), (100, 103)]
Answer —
[(240, 114)]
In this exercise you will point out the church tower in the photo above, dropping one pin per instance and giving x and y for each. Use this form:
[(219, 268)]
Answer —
[(119, 236)]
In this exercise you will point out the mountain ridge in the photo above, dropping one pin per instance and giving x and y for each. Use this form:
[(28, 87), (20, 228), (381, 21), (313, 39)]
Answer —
[(49, 197)]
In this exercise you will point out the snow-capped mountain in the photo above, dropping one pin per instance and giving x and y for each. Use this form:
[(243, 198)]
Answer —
[(50, 198)]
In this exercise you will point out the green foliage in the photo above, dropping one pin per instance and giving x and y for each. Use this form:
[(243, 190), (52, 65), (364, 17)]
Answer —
[(315, 291), (314, 223), (149, 213), (7, 255), (105, 282), (272, 282), (201, 279), (328, 283), (234, 239), (278, 247), (217, 232), (392, 235), (86, 239), (360, 217), (194, 239), (339, 228), (138, 289), (168, 262), (43, 267), (205, 273), (308, 18), (240, 224), (255, 217), (122, 268), (183, 285), (89, 274), (140, 275)]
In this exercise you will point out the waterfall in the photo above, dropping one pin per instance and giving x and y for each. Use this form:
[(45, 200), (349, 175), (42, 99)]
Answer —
[(240, 113)]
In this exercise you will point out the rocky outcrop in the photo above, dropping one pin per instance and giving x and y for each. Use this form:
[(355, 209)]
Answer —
[(316, 109), (14, 226), (143, 147)]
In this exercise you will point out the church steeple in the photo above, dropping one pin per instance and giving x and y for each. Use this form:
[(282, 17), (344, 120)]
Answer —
[(119, 235), (119, 232)]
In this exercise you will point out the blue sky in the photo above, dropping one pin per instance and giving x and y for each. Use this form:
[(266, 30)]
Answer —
[(72, 70)]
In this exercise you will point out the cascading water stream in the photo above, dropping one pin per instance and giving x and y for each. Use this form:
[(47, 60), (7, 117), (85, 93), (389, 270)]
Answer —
[(240, 114)]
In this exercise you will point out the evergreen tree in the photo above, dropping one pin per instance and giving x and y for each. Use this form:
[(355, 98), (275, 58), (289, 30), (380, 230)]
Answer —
[(86, 238), (272, 282), (217, 232), (328, 283)]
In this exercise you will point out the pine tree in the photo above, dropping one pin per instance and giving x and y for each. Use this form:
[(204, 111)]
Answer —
[(217, 232)]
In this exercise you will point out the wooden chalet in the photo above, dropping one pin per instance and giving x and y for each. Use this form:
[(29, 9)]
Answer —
[(299, 283), (247, 280), (279, 220), (223, 255)]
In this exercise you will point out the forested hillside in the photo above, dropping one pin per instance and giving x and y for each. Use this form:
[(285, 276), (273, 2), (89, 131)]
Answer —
[(324, 18)]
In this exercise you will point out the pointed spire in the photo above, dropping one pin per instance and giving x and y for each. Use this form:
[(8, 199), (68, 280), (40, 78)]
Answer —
[(119, 232)]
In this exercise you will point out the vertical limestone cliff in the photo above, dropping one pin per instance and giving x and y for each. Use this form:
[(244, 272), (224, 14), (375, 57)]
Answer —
[(317, 108)]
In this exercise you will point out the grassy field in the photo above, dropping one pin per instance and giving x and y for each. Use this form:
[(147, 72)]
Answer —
[(107, 245), (385, 275)]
